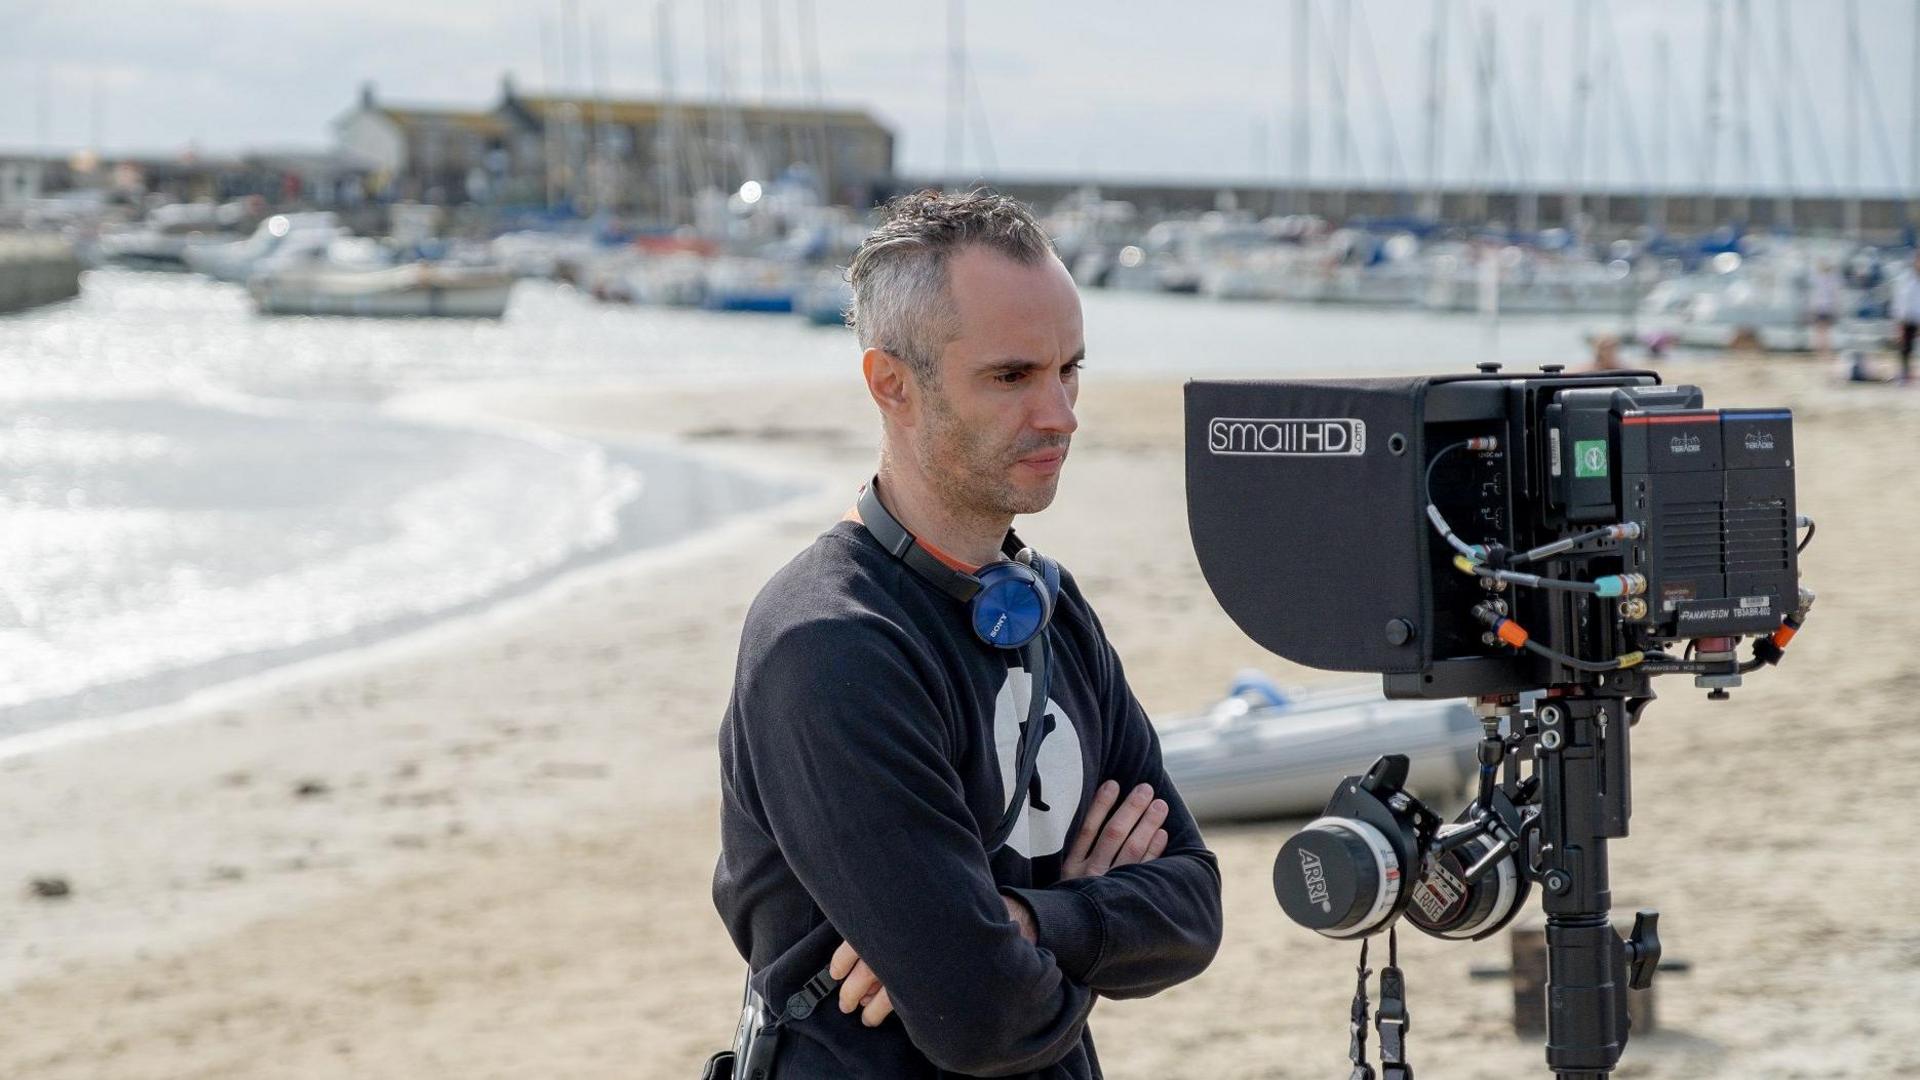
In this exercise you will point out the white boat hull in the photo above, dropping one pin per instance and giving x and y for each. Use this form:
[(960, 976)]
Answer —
[(402, 292), (1286, 762)]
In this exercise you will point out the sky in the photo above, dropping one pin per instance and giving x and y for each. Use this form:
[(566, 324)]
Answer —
[(1197, 91)]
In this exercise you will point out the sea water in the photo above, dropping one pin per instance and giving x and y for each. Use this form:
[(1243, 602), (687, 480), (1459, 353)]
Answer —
[(190, 492)]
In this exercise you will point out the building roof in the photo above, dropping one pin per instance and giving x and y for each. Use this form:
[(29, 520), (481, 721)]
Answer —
[(468, 120), (632, 112)]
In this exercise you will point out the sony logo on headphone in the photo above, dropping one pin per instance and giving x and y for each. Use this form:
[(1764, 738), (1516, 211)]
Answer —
[(1228, 435)]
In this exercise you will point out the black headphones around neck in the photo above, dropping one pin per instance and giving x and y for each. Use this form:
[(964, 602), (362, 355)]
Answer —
[(1010, 601)]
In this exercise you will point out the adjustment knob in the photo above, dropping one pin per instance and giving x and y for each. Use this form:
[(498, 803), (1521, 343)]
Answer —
[(1643, 950)]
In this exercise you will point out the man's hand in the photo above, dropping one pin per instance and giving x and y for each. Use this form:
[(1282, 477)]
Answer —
[(1117, 836), (860, 987), (1112, 836)]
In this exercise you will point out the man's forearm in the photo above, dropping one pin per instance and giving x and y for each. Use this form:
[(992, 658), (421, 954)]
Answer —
[(1136, 930)]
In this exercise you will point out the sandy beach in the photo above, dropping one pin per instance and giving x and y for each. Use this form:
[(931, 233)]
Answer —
[(483, 850)]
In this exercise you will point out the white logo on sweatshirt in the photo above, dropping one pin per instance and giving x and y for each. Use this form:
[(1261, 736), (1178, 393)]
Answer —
[(1054, 795)]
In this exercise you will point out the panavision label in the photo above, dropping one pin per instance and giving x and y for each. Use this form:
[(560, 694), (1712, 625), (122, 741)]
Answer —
[(1743, 607), (1345, 437)]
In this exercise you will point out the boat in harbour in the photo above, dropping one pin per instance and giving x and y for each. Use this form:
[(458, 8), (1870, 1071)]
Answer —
[(281, 235), (415, 290), (1264, 752)]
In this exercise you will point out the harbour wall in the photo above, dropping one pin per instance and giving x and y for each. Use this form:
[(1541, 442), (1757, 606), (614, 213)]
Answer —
[(36, 270)]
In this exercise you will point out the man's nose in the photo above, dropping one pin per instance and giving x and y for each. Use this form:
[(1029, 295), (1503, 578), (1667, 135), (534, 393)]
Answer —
[(1055, 411)]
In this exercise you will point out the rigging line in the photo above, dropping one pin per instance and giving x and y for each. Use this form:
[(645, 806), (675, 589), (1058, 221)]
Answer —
[(1483, 73), (1780, 78), (1820, 158), (1337, 77), (1522, 148), (1881, 140), (1783, 98), (983, 134), (1628, 128), (1396, 168)]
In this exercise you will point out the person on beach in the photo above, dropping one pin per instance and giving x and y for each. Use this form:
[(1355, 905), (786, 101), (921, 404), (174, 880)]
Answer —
[(1823, 307), (875, 826), (1906, 312)]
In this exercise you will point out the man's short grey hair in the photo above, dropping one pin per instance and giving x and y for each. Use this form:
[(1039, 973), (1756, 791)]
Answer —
[(901, 301)]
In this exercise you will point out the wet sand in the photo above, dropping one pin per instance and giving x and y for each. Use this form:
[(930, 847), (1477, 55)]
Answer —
[(483, 850)]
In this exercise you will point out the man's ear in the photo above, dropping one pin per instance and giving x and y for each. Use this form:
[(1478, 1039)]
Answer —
[(891, 382)]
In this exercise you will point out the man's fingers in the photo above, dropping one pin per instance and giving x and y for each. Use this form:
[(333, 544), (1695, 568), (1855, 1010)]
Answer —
[(1118, 828), (1103, 799), (878, 1008), (1135, 849), (843, 960), (1158, 845), (860, 984)]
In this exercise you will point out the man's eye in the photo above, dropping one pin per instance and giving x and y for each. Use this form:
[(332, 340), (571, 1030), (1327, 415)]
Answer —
[(1008, 378), (1072, 370)]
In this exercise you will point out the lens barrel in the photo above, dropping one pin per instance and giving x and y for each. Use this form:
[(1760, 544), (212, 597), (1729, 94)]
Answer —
[(1338, 876), (1445, 904)]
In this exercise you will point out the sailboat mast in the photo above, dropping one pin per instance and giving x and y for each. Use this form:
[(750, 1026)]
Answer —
[(1577, 122), (956, 89), (1783, 120), (1436, 108), (667, 144), (548, 129), (1710, 146), (1537, 88), (1913, 133), (1743, 104), (817, 95), (1483, 72), (1663, 175), (1853, 119), (1602, 134), (603, 169), (1343, 134), (1303, 108)]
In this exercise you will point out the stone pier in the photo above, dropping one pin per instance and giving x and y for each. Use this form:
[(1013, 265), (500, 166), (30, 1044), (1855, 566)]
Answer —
[(36, 270)]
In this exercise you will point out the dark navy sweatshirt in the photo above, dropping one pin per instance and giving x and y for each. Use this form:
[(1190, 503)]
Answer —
[(866, 751)]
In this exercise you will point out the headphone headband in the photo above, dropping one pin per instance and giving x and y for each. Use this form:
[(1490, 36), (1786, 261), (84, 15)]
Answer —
[(1009, 601), (904, 546)]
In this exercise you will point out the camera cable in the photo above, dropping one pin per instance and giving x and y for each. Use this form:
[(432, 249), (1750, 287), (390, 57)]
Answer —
[(1515, 635), (1471, 551), (1609, 586)]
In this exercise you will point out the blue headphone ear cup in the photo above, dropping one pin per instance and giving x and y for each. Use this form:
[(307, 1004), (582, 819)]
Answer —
[(1012, 606)]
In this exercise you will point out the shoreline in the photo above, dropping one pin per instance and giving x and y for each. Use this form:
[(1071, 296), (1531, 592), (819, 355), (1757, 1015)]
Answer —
[(660, 513), (508, 827)]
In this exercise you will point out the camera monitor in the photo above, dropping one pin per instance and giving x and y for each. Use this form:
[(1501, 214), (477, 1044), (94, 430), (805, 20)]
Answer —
[(1377, 524)]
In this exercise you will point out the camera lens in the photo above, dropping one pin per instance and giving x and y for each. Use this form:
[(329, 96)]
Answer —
[(1337, 876), (1445, 904)]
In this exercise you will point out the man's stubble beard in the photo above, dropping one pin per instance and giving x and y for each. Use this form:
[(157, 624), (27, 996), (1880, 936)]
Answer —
[(970, 477)]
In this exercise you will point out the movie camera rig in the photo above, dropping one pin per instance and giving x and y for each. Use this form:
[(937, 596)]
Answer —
[(1539, 543)]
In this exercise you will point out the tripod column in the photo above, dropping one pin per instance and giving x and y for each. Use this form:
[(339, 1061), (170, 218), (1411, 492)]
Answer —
[(1584, 802)]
